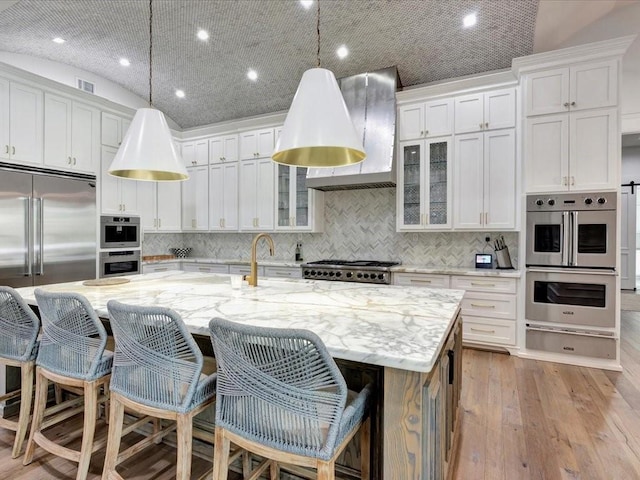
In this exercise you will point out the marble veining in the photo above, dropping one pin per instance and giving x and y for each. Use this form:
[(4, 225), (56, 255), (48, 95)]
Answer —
[(399, 327)]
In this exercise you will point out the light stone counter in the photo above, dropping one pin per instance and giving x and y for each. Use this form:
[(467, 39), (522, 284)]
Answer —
[(398, 327)]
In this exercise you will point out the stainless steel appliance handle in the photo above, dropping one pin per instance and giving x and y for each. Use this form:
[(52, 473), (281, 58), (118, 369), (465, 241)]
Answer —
[(574, 240), (582, 271), (40, 235), (564, 232), (28, 234)]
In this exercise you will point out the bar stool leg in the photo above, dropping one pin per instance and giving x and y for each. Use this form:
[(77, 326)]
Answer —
[(42, 384), (89, 428), (220, 456), (116, 419), (365, 449), (184, 432), (275, 471), (26, 392), (326, 471)]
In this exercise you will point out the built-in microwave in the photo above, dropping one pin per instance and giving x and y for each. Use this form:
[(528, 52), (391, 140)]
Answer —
[(119, 232), (115, 263)]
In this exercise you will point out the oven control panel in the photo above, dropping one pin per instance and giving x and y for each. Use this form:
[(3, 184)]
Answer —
[(571, 201)]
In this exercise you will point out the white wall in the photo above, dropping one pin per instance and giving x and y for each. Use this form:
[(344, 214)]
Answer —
[(67, 75)]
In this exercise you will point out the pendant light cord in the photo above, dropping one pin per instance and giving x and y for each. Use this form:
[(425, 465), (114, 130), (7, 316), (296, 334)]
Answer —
[(318, 30), (150, 52)]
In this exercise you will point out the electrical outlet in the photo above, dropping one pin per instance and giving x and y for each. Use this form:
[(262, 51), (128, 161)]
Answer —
[(487, 239)]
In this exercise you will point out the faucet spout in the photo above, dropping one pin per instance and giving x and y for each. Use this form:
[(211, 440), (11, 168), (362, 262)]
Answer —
[(252, 279)]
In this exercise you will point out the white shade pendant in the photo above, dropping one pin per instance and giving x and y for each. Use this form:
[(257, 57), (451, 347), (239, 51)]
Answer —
[(318, 131), (147, 151)]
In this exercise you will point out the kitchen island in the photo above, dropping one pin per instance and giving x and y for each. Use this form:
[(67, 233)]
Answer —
[(409, 335)]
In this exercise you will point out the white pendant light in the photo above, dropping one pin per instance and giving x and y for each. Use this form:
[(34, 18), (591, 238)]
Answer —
[(147, 151), (318, 131)]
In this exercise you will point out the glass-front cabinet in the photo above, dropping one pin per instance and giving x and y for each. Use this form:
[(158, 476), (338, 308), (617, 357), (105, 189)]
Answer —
[(424, 185), (298, 207)]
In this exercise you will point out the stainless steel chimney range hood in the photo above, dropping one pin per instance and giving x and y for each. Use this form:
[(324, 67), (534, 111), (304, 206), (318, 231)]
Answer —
[(371, 100)]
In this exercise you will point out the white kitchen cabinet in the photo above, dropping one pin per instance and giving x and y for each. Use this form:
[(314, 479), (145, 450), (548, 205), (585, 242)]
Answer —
[(223, 149), (117, 195), (297, 207), (256, 144), (196, 153), (256, 194), (160, 267), (425, 120), (485, 111), (71, 134), (159, 206), (113, 130), (424, 185), (205, 267), (223, 196), (195, 200), (577, 87), (485, 181), (572, 151), (21, 123)]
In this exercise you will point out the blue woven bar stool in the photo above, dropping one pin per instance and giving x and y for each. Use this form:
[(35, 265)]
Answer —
[(157, 373), (282, 396), (19, 328), (71, 354)]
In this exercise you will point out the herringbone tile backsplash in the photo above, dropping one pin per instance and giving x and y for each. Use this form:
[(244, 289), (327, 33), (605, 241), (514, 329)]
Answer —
[(359, 224)]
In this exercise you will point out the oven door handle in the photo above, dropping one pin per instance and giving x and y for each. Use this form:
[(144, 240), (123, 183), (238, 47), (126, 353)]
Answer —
[(582, 271), (565, 254), (574, 239)]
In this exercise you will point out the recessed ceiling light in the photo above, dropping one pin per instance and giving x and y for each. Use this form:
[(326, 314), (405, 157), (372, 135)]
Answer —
[(470, 20), (59, 40), (342, 51), (180, 93), (252, 75), (124, 62), (203, 35), (306, 3)]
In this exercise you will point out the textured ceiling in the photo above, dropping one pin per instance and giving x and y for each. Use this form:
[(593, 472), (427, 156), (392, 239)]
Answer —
[(277, 38)]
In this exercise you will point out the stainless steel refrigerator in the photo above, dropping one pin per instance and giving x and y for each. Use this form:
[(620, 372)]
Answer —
[(47, 228)]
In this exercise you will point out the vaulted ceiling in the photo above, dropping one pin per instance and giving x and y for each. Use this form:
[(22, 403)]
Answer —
[(276, 38)]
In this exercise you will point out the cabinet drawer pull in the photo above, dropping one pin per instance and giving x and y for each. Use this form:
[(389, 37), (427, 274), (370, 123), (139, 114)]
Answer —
[(160, 269), (482, 284), (481, 330), (282, 274), (416, 280), (482, 305), (204, 269)]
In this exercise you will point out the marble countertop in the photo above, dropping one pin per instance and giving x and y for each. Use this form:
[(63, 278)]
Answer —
[(436, 270), (391, 326)]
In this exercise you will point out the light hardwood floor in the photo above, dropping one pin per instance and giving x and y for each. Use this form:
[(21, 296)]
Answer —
[(524, 419), (521, 419)]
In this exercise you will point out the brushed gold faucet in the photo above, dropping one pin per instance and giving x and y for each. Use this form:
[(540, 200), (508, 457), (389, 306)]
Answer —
[(253, 277)]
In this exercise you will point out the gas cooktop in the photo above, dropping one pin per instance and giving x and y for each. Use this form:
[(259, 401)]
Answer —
[(364, 271)]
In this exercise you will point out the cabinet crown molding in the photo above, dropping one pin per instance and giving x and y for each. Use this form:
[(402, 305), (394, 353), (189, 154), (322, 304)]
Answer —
[(565, 56)]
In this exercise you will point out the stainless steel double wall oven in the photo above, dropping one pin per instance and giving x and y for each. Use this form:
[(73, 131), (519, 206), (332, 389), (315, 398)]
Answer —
[(571, 273), (119, 246)]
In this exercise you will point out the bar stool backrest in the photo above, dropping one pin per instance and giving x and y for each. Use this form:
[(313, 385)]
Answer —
[(73, 337), (19, 327), (278, 387), (157, 362)]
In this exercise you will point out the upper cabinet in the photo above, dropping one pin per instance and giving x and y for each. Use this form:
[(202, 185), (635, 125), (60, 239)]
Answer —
[(578, 87), (21, 123), (117, 195), (485, 111), (256, 194), (256, 144), (223, 196), (71, 134), (223, 149), (114, 128), (424, 185), (195, 200), (426, 119), (159, 206), (196, 153), (298, 207), (485, 186), (571, 136)]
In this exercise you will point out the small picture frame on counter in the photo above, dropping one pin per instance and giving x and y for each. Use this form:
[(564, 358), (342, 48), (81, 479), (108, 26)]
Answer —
[(484, 260)]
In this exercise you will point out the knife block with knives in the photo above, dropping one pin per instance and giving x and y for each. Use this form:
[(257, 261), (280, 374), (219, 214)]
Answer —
[(503, 259)]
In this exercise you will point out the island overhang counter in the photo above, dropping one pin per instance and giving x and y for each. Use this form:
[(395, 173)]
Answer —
[(411, 335)]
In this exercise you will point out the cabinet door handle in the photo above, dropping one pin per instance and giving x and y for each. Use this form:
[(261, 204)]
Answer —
[(426, 132), (564, 180), (480, 218), (124, 207), (6, 149), (482, 305), (481, 330), (573, 180), (486, 125), (13, 150), (486, 218), (159, 223), (481, 126), (573, 104), (565, 104), (155, 222), (120, 207), (74, 160), (69, 160), (422, 133)]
